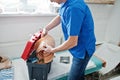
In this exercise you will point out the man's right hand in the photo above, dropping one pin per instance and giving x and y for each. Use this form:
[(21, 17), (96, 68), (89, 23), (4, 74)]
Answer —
[(44, 32)]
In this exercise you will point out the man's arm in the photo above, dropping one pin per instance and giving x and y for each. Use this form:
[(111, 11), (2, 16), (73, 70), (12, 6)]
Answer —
[(70, 43), (53, 23)]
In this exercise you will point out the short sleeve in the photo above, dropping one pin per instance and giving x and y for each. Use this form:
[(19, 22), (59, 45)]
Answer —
[(75, 18)]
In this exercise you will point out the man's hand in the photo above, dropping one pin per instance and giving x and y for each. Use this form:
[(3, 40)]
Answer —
[(44, 47), (47, 49), (44, 32)]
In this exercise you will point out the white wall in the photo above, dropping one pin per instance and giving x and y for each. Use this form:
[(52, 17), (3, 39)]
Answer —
[(107, 25), (15, 29), (113, 26), (101, 15)]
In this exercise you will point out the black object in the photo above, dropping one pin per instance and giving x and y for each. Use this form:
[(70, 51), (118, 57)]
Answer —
[(37, 71), (65, 59), (32, 58)]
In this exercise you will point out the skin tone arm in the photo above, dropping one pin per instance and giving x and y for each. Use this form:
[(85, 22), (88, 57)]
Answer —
[(70, 43), (52, 24)]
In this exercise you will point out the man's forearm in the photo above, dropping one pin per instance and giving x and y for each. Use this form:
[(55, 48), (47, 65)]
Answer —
[(70, 43), (53, 23)]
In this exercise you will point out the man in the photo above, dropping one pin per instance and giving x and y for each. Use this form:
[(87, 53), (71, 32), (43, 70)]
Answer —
[(78, 28)]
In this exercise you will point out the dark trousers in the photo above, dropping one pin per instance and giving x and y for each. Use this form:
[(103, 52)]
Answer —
[(78, 68)]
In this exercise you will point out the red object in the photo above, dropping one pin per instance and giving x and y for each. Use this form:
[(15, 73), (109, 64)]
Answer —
[(30, 45)]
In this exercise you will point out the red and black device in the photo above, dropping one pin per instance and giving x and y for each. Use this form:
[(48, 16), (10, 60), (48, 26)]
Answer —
[(30, 45)]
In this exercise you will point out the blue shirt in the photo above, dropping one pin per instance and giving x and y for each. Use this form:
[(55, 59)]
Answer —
[(76, 20)]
